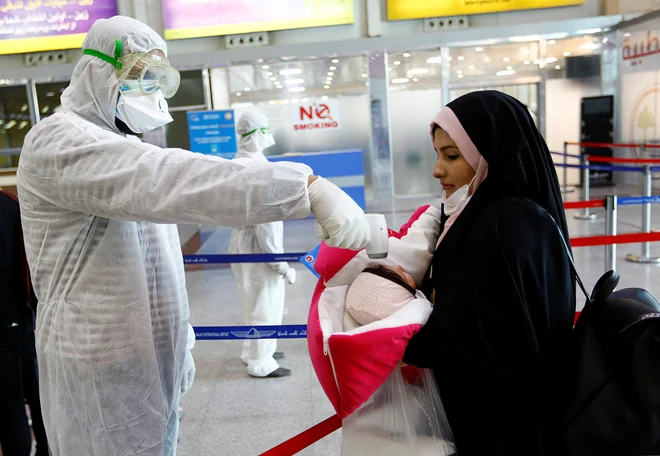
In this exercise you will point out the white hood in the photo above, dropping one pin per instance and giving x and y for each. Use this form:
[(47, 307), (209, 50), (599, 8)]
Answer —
[(251, 146), (92, 93)]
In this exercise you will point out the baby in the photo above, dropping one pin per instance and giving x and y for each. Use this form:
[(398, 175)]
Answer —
[(378, 292)]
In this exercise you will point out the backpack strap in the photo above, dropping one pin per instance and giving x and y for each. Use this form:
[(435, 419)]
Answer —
[(570, 258)]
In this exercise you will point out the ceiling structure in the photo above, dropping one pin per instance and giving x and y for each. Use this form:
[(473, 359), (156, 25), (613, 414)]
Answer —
[(516, 62), (290, 81)]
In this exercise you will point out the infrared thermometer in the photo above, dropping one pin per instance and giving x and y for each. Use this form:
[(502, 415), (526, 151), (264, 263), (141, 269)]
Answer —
[(378, 247)]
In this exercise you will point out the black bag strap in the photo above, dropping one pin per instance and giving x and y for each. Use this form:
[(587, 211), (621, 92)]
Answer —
[(570, 258), (573, 268)]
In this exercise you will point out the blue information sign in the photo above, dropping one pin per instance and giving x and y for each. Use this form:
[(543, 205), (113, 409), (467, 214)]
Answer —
[(212, 133)]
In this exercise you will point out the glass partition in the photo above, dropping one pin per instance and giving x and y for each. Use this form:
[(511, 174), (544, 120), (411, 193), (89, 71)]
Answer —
[(14, 123), (191, 90), (280, 89), (48, 96), (492, 66), (573, 69), (415, 79), (189, 97)]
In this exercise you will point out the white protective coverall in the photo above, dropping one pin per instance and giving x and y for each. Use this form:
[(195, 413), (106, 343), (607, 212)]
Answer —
[(112, 325), (260, 285)]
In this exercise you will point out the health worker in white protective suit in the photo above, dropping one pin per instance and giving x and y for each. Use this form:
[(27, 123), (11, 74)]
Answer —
[(113, 338), (260, 285)]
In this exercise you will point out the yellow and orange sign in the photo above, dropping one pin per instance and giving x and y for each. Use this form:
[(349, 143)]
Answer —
[(417, 9)]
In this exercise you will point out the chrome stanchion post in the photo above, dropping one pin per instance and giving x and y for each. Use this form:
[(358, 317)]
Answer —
[(611, 214), (586, 215), (645, 257), (566, 189), (565, 167)]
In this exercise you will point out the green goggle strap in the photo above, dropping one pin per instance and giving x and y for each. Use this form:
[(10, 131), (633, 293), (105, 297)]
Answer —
[(254, 131), (105, 57)]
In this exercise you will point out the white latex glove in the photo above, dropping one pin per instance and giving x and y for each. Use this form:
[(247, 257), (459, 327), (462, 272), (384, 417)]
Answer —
[(341, 222), (280, 268), (188, 372), (290, 276)]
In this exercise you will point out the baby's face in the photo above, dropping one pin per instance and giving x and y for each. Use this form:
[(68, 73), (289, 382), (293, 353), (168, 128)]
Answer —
[(407, 278)]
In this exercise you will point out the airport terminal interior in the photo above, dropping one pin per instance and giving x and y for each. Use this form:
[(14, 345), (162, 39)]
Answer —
[(350, 88)]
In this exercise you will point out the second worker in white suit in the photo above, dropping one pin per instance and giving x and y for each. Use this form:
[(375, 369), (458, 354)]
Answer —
[(260, 285)]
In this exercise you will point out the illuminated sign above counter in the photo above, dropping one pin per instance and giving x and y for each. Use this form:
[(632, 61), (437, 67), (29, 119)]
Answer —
[(48, 25), (200, 18), (418, 9)]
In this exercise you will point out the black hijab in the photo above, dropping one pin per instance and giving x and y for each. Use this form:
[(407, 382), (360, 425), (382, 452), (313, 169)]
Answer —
[(519, 162), (504, 292)]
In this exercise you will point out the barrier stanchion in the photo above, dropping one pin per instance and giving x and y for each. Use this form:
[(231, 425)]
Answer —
[(566, 189), (586, 214), (611, 220), (645, 256)]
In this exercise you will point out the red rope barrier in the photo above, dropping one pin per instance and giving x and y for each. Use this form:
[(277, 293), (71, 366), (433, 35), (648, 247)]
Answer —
[(629, 238), (617, 145), (605, 145), (595, 159), (305, 438), (584, 204)]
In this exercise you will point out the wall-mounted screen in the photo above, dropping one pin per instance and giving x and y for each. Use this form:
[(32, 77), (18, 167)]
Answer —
[(418, 9), (48, 25), (199, 18)]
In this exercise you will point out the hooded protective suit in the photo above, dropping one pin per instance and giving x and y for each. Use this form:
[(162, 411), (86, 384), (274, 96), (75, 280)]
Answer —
[(112, 326), (260, 285)]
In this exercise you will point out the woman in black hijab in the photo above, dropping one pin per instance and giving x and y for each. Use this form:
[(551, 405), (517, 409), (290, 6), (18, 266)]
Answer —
[(504, 294)]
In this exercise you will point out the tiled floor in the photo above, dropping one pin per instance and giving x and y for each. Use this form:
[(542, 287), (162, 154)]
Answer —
[(229, 413)]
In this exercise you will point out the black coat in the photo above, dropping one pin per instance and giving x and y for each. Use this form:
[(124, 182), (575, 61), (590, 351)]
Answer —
[(16, 315), (504, 293)]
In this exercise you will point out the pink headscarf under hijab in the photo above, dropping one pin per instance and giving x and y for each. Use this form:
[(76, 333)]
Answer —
[(447, 120)]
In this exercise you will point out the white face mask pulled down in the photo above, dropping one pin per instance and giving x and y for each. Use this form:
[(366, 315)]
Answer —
[(458, 199), (142, 113)]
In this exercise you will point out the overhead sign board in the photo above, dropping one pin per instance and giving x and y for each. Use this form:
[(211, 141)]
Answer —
[(199, 18), (417, 9), (25, 23)]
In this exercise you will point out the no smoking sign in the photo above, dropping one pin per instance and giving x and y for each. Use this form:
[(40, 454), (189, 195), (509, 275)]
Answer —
[(316, 115)]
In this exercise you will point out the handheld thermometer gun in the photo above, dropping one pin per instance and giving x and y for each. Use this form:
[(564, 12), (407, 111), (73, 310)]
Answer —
[(378, 247)]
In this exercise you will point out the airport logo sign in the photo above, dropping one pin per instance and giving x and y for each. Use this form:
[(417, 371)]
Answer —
[(641, 52)]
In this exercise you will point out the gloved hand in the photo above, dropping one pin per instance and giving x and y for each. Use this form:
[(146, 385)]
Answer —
[(188, 372), (290, 276), (281, 268), (340, 221)]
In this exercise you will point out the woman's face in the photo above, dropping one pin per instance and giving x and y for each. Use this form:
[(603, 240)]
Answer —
[(451, 168)]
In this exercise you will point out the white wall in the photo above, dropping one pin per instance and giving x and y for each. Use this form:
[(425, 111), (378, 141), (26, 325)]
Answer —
[(563, 118)]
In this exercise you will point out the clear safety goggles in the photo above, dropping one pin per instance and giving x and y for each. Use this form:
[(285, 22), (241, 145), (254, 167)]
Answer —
[(143, 71), (265, 131)]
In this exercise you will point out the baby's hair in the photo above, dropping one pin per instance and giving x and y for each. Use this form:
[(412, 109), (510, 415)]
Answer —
[(387, 273)]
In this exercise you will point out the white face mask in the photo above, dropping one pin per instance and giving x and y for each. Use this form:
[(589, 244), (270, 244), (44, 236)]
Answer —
[(142, 113), (457, 200), (268, 141), (259, 141)]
